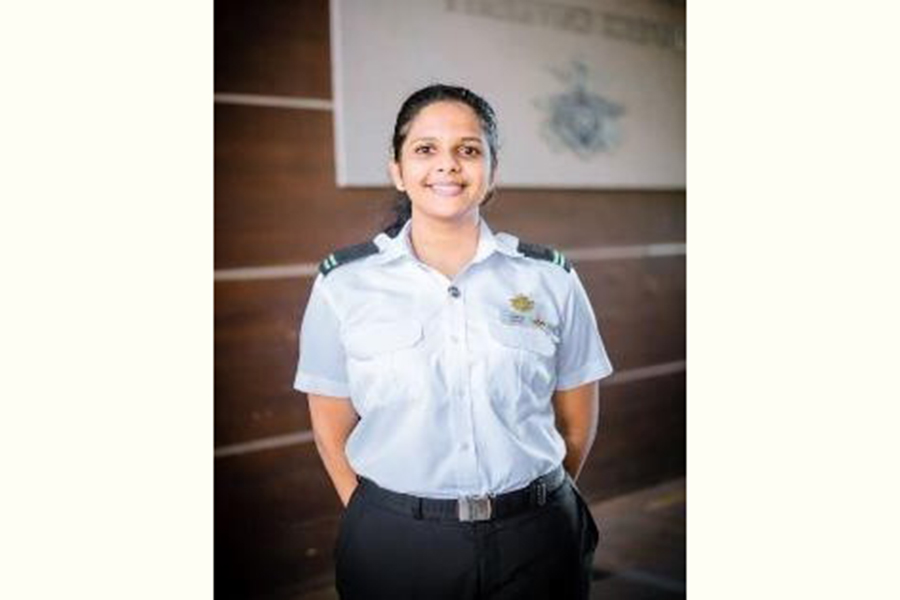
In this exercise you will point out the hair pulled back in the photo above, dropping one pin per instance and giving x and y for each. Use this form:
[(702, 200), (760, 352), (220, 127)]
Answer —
[(402, 208)]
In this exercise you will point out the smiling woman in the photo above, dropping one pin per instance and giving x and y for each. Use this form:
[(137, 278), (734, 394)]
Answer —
[(443, 166), (446, 174), (473, 122), (451, 375)]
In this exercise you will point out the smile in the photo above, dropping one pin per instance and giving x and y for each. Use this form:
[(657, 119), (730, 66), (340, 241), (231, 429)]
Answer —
[(447, 189)]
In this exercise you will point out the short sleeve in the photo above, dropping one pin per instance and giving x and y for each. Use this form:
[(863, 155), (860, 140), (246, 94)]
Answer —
[(322, 368), (582, 357)]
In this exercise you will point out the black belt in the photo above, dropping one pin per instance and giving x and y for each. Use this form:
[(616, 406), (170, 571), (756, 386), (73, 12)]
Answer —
[(469, 508)]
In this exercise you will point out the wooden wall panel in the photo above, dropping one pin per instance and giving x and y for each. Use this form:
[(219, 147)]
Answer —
[(256, 327), (579, 219), (640, 307), (641, 439), (276, 201), (276, 517), (277, 512), (639, 303), (273, 47)]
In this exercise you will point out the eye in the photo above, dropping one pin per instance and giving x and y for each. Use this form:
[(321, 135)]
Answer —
[(471, 151), (423, 149)]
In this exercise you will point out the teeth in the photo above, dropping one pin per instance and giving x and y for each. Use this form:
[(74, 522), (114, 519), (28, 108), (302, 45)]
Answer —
[(446, 189)]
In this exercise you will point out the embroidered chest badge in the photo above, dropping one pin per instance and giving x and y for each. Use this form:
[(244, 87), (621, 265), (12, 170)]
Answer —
[(522, 313), (521, 303)]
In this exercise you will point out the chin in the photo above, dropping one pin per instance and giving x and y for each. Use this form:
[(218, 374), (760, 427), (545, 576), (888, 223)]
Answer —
[(444, 213), (444, 208)]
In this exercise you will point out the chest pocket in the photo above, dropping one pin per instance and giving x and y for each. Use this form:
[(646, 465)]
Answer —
[(523, 337), (532, 352), (372, 341), (383, 362)]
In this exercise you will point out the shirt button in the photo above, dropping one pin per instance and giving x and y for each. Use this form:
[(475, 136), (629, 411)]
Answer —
[(454, 339), (453, 291), (464, 446)]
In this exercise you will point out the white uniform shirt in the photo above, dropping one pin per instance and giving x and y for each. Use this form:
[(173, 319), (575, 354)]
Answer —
[(452, 379)]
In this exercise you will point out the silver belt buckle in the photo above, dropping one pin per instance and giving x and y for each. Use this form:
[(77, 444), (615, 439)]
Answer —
[(474, 508)]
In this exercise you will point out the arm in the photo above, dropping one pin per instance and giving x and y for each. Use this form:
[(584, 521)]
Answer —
[(332, 421), (577, 413)]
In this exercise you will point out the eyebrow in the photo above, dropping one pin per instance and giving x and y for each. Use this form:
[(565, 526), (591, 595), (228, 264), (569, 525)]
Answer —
[(434, 139)]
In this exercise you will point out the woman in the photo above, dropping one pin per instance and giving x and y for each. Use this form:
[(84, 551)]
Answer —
[(451, 376)]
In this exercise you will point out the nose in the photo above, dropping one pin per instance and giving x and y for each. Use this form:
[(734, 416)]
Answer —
[(447, 163)]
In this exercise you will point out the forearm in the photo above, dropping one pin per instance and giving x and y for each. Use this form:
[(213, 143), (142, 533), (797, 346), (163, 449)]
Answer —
[(333, 420), (342, 475), (578, 445), (577, 414)]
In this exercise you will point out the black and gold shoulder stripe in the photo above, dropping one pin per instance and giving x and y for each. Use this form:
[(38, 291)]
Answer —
[(547, 253), (347, 255)]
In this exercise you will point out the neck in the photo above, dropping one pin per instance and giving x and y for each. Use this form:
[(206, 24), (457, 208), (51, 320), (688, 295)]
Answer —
[(445, 246)]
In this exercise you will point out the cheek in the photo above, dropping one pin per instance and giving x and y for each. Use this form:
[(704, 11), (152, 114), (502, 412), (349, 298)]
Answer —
[(413, 172), (481, 173)]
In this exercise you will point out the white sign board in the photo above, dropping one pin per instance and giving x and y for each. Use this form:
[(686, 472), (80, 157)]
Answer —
[(588, 94)]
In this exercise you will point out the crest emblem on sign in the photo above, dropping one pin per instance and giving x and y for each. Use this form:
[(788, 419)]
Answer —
[(580, 120), (521, 303)]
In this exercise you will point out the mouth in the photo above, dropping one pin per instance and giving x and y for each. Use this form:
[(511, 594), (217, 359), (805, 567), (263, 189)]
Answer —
[(447, 189)]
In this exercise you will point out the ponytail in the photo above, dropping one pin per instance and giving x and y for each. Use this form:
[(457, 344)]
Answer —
[(402, 212)]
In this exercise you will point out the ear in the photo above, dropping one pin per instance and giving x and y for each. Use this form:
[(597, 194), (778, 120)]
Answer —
[(490, 189), (396, 176)]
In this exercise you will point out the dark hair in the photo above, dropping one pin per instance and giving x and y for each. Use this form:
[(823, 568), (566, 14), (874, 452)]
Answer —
[(402, 209)]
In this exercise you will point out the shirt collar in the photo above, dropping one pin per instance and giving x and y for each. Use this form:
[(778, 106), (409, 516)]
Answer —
[(488, 243)]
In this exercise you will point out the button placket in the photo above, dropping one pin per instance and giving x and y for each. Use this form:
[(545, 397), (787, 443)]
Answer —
[(468, 471)]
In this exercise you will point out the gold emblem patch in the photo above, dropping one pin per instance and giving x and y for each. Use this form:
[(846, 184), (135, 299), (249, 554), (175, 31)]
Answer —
[(521, 303)]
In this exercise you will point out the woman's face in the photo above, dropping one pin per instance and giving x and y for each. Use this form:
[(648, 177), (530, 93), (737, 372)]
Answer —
[(445, 163)]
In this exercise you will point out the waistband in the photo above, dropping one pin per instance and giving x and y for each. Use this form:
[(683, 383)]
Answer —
[(469, 508)]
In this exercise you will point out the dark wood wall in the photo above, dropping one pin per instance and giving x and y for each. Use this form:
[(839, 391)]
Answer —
[(276, 203)]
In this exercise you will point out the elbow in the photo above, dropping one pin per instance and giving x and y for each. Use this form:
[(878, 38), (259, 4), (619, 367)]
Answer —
[(329, 442), (582, 437), (324, 443)]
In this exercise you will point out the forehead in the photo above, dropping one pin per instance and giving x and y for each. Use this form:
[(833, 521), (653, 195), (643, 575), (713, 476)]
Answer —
[(445, 119)]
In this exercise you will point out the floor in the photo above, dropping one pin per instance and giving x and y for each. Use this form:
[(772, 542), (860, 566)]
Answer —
[(641, 555), (642, 544)]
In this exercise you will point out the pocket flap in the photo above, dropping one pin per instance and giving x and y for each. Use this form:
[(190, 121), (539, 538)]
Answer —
[(525, 337), (380, 338)]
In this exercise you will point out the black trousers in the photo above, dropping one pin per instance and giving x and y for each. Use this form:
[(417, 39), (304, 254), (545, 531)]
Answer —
[(543, 553)]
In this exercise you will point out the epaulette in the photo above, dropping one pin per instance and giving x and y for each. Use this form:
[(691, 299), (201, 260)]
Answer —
[(545, 253), (346, 255)]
